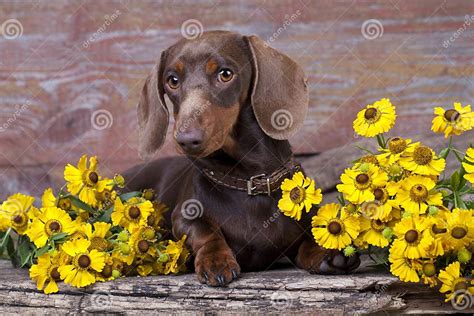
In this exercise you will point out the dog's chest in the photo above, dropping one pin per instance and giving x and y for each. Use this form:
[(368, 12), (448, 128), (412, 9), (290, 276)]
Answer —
[(254, 228)]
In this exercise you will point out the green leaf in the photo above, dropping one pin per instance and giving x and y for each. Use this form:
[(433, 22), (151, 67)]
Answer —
[(24, 250), (126, 196), (41, 251), (58, 237), (81, 204), (105, 217), (5, 237), (444, 153), (455, 179), (458, 202)]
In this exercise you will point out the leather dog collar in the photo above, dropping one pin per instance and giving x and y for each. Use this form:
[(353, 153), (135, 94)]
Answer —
[(257, 184)]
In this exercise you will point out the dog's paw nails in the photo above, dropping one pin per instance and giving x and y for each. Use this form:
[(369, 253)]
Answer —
[(216, 269)]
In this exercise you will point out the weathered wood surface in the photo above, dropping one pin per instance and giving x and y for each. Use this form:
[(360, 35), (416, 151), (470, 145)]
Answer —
[(53, 77), (274, 291)]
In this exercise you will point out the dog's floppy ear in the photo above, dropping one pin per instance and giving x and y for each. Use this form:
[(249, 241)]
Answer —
[(153, 115), (280, 94)]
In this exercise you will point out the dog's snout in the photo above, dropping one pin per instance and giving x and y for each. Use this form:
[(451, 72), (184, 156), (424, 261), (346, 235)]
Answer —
[(190, 140)]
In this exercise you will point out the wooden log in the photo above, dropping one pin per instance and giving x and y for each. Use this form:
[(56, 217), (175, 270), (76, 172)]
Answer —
[(275, 291)]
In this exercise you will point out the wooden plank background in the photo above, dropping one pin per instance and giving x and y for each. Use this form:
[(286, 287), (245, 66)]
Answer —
[(69, 60)]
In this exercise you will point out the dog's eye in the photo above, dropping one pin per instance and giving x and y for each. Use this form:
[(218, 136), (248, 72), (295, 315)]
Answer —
[(173, 82), (225, 75)]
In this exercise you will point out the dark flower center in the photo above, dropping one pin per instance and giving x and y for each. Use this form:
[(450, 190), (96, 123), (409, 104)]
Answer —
[(429, 269), (452, 115), (18, 219), (436, 230), (84, 261), (54, 226), (419, 193), (458, 232), (362, 178), (143, 246), (379, 194), (411, 236), (297, 195), (54, 274), (107, 272), (334, 228), (134, 212), (422, 155), (460, 286), (370, 114), (397, 145), (93, 177), (65, 204)]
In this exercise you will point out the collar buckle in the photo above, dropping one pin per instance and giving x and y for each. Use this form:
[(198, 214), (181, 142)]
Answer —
[(251, 187)]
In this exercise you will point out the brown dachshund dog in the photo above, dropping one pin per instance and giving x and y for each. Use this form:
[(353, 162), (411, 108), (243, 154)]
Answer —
[(235, 103)]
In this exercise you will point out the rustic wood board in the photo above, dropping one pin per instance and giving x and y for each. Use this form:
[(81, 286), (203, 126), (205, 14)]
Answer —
[(275, 291), (63, 82)]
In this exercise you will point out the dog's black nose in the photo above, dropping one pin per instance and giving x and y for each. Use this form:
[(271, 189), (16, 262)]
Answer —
[(190, 140)]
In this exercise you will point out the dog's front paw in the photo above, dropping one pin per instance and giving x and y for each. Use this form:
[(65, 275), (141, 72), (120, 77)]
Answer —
[(334, 262), (215, 264), (317, 259)]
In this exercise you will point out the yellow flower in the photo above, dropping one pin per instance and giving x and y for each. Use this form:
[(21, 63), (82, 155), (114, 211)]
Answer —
[(46, 270), (49, 199), (333, 229), (16, 212), (453, 282), (50, 222), (428, 272), (133, 214), (413, 238), (357, 183), (396, 146), (141, 241), (403, 267), (372, 231), (375, 119), (297, 193), (178, 254), (417, 193), (460, 228), (84, 264), (382, 206), (157, 216), (422, 160), (468, 165), (438, 229), (453, 121), (84, 180), (98, 237)]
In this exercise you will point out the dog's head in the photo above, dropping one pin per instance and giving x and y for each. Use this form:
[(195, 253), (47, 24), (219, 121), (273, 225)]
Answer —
[(208, 80)]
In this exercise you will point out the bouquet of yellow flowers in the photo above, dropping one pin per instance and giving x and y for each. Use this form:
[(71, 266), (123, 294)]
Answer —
[(399, 206), (89, 231)]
